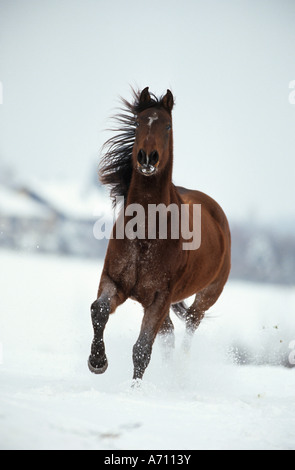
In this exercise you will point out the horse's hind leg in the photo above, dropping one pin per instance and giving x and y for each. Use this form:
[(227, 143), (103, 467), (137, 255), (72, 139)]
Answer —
[(203, 301), (108, 299), (194, 314), (167, 338), (180, 309)]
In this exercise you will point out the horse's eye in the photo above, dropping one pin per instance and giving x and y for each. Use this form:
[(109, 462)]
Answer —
[(168, 127), (136, 124)]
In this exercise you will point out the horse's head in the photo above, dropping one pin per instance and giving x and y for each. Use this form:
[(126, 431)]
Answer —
[(153, 140)]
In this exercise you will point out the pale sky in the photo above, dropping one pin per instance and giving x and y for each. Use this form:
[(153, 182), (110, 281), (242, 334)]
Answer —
[(63, 64)]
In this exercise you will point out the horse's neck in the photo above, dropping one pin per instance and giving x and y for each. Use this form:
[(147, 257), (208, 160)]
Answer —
[(146, 190)]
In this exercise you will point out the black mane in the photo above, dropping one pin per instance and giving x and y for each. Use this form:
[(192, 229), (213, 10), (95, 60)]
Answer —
[(115, 169)]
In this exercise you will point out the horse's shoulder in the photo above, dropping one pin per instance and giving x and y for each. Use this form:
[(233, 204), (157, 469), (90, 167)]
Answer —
[(190, 196)]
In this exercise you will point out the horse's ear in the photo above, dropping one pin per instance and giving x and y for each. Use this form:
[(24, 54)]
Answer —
[(145, 96), (168, 101)]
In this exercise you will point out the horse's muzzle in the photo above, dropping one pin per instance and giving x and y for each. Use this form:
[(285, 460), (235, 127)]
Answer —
[(147, 163)]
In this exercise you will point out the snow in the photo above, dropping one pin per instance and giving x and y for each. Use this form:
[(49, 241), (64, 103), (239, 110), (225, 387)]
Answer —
[(49, 399)]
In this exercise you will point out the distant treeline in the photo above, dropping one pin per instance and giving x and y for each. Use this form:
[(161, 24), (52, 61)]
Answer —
[(261, 254)]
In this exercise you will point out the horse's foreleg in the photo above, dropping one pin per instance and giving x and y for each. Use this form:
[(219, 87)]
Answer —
[(100, 311), (108, 300), (153, 319)]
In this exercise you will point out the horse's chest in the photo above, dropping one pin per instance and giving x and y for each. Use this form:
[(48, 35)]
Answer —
[(150, 279), (141, 270), (148, 263)]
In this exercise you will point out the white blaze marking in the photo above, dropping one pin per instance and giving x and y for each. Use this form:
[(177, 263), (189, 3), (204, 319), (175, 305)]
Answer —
[(152, 118)]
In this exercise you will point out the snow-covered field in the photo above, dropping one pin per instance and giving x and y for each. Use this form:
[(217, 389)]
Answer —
[(49, 399)]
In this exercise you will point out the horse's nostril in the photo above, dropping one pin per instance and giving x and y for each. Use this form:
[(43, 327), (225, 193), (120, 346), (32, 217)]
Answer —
[(141, 157), (154, 157)]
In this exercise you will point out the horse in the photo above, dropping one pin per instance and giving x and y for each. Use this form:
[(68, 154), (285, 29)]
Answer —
[(158, 273)]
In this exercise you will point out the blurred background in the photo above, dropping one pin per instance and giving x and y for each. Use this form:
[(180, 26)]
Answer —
[(230, 64)]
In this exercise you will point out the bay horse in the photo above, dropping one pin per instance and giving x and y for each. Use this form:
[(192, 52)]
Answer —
[(156, 272)]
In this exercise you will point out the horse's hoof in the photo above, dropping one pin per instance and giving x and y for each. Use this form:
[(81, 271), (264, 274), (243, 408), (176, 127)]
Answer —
[(97, 370)]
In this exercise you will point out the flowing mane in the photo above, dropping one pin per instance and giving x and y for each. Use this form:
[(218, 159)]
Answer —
[(115, 169)]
